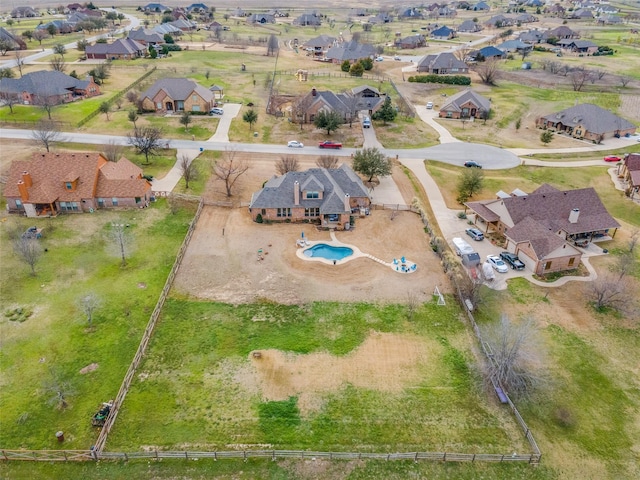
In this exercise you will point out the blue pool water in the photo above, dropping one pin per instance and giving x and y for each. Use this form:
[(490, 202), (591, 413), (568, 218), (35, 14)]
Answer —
[(329, 252)]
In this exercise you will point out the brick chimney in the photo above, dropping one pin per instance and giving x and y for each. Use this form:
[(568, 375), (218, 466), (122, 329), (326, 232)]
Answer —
[(24, 193), (573, 215), (26, 178), (347, 203), (296, 193)]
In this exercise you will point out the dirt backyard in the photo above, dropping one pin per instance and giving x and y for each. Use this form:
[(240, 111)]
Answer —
[(222, 263)]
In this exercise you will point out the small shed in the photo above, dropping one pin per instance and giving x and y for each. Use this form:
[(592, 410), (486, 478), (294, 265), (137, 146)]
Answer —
[(302, 75), (218, 92)]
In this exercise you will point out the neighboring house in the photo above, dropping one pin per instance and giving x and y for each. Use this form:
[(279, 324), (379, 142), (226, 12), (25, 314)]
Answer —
[(24, 12), (582, 14), (410, 13), (447, 12), (348, 104), (146, 37), (587, 121), (327, 196), (610, 19), (16, 42), (515, 46), (631, 174), (541, 227), (498, 21), (525, 18), (466, 104), (261, 18), (177, 95), (46, 87), (167, 29), (122, 49), (443, 33), (531, 37), (320, 45), (481, 6), (183, 24), (308, 19), (414, 41), (155, 7), (380, 19), (578, 46), (352, 51), (561, 32), (469, 26), (555, 10), (197, 8), (61, 26), (442, 64), (489, 52), (51, 183)]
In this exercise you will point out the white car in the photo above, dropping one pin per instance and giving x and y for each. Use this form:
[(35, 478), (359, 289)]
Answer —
[(216, 111), (497, 263), (379, 59), (295, 144), (429, 105), (397, 58)]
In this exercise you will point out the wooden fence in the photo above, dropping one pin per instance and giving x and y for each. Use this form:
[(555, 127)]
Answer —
[(85, 455), (146, 337)]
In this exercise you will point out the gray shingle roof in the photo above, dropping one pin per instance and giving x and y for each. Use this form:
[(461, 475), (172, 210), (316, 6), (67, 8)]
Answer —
[(123, 46), (42, 83), (441, 60), (178, 89), (351, 51), (147, 36), (595, 119), (460, 98), (334, 183), (320, 41)]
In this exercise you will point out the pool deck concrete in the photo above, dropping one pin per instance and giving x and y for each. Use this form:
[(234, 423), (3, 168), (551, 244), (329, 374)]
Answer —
[(304, 244)]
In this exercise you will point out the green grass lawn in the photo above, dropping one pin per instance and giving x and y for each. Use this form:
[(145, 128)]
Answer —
[(50, 347), (199, 348)]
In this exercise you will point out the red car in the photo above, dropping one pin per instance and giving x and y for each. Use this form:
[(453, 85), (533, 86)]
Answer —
[(330, 144), (612, 158)]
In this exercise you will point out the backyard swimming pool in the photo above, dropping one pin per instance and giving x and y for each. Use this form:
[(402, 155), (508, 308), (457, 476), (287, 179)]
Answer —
[(329, 252)]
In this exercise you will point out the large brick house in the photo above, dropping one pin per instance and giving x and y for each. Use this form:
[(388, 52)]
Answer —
[(177, 95), (48, 87), (52, 183), (542, 227), (327, 196), (587, 121), (466, 104), (347, 104)]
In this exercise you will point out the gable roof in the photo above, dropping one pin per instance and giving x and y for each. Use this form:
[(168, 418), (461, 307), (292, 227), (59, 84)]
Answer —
[(351, 50), (320, 41), (42, 83), (595, 119), (469, 26), (122, 46), (178, 89), (491, 51), (334, 183), (455, 102), (147, 36), (543, 240), (443, 31), (441, 60)]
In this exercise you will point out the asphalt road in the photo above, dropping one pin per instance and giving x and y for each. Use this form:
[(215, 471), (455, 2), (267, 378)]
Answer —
[(134, 23)]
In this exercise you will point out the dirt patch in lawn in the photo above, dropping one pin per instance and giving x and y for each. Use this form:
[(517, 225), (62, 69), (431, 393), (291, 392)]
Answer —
[(374, 364)]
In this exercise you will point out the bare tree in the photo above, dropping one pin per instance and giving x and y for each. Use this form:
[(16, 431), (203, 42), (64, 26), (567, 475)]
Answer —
[(11, 99), (89, 303), (515, 354), (112, 151), (272, 45), (610, 291), (578, 77), (58, 390), (146, 140), (188, 168), (29, 251), (300, 107), (46, 134), (119, 236), (229, 169), (488, 71), (133, 117), (632, 243), (132, 96), (20, 59), (58, 64), (462, 53), (287, 163), (351, 102), (623, 80), (327, 161), (412, 305)]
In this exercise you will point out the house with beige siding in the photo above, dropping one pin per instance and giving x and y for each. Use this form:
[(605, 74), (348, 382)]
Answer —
[(177, 95), (546, 227)]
